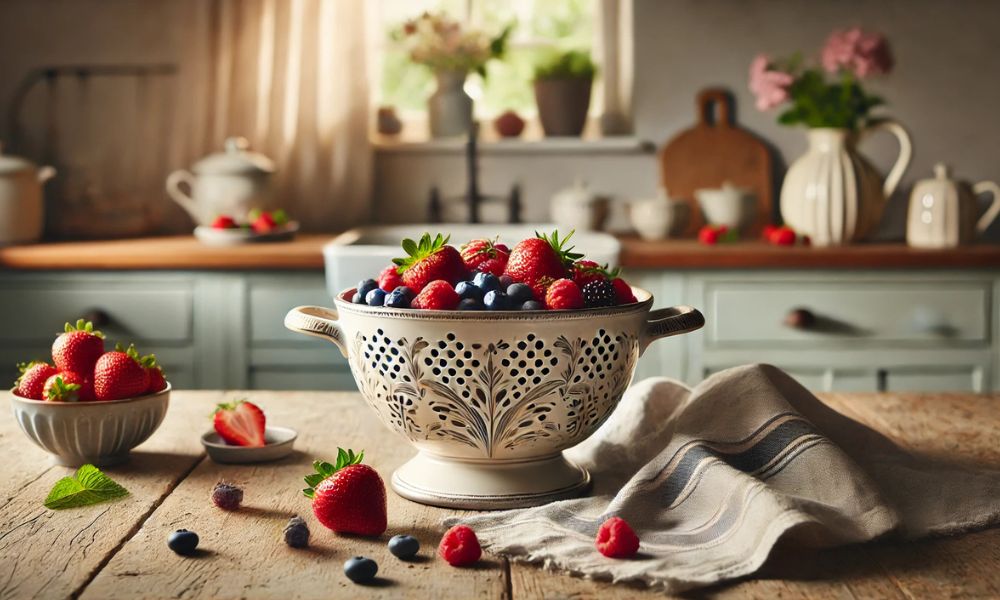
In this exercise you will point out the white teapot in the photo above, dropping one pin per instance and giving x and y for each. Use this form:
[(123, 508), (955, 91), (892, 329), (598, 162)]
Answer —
[(659, 217), (225, 183), (22, 214), (944, 213)]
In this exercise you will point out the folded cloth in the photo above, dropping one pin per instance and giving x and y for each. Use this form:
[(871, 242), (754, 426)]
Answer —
[(712, 478)]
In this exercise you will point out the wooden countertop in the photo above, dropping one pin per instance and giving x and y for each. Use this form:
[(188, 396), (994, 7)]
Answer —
[(305, 253), (118, 549)]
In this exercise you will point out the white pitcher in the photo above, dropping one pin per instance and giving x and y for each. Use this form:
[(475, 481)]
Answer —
[(225, 183), (944, 212), (22, 211), (832, 193)]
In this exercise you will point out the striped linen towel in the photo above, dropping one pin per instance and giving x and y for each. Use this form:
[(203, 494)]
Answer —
[(712, 477)]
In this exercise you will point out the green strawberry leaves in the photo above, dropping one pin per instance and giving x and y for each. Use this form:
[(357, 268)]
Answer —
[(566, 255), (88, 486), (84, 326), (419, 250), (325, 469), (62, 391)]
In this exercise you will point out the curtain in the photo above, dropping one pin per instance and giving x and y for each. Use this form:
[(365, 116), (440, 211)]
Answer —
[(291, 77)]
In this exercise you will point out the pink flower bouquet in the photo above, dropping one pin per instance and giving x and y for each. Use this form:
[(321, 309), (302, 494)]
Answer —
[(829, 94)]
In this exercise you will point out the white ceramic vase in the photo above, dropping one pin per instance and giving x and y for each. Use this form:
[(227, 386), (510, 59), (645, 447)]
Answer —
[(449, 108), (832, 193)]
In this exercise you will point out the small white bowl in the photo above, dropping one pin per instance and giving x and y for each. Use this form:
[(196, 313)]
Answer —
[(99, 432), (279, 443)]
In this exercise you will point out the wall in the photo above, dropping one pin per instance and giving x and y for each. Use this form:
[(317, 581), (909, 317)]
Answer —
[(945, 89)]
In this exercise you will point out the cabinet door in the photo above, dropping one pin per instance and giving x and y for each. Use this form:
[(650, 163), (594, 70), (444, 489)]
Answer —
[(935, 379)]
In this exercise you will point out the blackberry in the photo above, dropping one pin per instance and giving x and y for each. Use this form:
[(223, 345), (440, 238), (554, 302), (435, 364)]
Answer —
[(599, 292), (227, 496), (297, 532)]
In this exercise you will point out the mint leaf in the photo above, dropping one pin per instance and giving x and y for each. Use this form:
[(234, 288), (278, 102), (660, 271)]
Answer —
[(88, 486)]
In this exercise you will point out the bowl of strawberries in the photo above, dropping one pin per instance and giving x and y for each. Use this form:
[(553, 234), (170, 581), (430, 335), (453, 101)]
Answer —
[(90, 405), (492, 360)]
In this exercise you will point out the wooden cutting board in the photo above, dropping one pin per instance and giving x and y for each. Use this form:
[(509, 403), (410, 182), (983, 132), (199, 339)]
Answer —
[(713, 152)]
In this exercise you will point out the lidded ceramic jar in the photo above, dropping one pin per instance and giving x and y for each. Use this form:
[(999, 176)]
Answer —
[(659, 217), (944, 212), (578, 208), (22, 212), (230, 183)]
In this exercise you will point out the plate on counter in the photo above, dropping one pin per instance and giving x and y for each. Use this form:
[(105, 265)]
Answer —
[(211, 236)]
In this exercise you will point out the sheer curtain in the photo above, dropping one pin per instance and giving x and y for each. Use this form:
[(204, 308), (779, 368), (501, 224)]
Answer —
[(291, 76)]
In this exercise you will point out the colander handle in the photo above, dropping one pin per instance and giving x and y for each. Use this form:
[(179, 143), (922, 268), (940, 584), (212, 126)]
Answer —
[(318, 322), (665, 322)]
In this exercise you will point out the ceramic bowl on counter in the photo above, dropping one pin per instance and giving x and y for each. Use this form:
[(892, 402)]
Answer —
[(100, 432), (490, 399)]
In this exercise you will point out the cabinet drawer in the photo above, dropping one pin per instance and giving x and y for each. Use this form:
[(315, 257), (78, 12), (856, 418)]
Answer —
[(137, 311), (839, 313), (270, 302)]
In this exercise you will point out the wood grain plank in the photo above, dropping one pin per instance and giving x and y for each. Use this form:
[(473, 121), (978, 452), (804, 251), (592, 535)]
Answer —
[(53, 554), (244, 555)]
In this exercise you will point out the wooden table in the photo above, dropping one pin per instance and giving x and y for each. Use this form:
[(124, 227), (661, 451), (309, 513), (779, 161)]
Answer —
[(118, 549)]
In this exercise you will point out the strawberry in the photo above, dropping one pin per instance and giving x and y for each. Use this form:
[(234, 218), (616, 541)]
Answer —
[(486, 256), (157, 381), (436, 295), (32, 379), (708, 235), (768, 231), (224, 222), (389, 279), (67, 386), (119, 374), (564, 294), (541, 287), (240, 423), (78, 348), (541, 256), (623, 291), (263, 223), (347, 497), (585, 271), (430, 259), (782, 236)]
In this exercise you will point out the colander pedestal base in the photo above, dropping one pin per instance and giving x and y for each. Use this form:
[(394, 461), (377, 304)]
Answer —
[(489, 485)]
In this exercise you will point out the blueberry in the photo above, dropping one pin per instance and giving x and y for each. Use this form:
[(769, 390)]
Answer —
[(183, 542), (408, 292), (365, 286), (506, 281), (360, 569), (357, 298), (495, 300), (397, 298), (404, 546), (532, 305), (467, 289), (470, 304), (487, 282), (375, 297), (519, 293)]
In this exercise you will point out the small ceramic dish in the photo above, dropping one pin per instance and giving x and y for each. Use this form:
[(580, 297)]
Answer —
[(211, 236), (99, 432), (280, 442)]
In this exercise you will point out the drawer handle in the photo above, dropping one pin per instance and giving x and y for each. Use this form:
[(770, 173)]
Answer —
[(800, 318), (98, 317)]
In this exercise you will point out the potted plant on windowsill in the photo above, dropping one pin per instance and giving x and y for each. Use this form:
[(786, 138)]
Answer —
[(451, 52), (562, 92)]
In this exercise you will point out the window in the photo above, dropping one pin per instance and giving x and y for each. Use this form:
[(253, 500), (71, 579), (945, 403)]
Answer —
[(541, 28)]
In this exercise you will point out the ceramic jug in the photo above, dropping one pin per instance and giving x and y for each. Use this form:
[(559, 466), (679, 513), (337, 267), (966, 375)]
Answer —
[(832, 193), (944, 212), (22, 214), (225, 183)]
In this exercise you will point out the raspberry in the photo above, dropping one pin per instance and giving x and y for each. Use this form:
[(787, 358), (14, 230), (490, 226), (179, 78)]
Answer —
[(297, 532), (227, 496), (390, 279), (460, 546), (615, 539), (563, 294), (436, 295), (623, 291), (599, 292)]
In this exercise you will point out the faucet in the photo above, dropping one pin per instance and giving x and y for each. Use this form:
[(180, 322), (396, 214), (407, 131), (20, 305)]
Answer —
[(473, 197)]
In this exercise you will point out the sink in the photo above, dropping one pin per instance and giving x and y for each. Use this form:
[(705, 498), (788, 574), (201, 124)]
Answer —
[(362, 252)]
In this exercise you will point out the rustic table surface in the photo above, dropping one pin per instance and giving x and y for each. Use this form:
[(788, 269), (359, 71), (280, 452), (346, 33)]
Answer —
[(118, 549)]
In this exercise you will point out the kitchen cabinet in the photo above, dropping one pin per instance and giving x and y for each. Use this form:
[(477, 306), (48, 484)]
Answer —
[(930, 323)]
